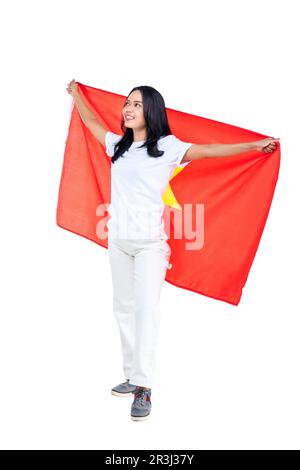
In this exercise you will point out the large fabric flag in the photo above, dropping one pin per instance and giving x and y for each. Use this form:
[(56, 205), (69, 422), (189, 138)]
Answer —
[(232, 194)]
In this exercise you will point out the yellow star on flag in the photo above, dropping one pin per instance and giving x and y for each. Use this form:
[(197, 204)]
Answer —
[(169, 197)]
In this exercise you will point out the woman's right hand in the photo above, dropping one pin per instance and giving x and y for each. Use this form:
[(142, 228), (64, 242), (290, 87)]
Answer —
[(72, 88)]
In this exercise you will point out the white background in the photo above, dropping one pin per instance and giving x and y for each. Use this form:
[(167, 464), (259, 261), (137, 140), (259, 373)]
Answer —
[(227, 377)]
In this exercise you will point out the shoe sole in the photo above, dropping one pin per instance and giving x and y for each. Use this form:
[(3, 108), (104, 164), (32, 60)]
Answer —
[(139, 418), (120, 394)]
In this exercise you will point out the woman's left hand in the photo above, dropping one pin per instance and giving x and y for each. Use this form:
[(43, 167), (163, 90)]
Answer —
[(266, 145)]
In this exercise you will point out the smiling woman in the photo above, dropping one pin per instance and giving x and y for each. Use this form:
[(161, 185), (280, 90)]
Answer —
[(144, 120), (143, 159), (145, 156)]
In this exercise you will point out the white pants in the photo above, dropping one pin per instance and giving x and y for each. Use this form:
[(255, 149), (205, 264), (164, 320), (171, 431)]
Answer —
[(138, 269)]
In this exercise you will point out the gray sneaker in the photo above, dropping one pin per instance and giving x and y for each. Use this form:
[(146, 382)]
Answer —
[(141, 406), (124, 389)]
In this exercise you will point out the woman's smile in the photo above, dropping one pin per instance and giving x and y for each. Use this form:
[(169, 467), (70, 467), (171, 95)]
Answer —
[(128, 117)]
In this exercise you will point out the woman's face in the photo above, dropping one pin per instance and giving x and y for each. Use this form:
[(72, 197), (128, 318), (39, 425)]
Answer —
[(133, 111)]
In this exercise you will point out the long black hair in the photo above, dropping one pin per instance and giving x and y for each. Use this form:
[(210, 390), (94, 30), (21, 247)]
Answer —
[(157, 125)]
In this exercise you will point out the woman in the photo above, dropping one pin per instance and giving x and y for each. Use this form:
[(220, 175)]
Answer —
[(143, 159)]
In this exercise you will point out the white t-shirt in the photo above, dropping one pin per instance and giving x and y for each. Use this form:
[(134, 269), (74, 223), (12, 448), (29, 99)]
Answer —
[(138, 183)]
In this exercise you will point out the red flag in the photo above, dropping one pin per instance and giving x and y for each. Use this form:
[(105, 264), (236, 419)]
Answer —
[(231, 195)]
